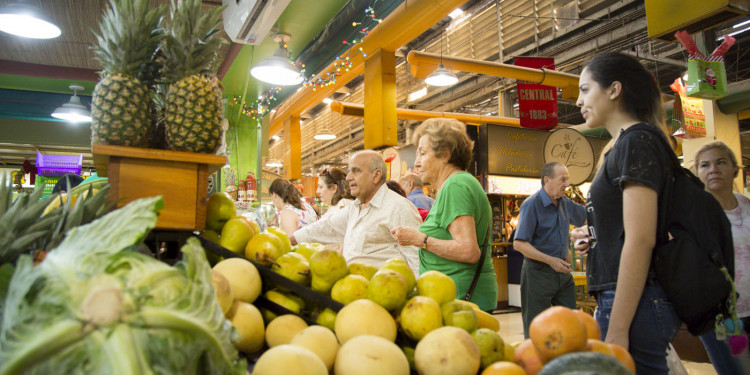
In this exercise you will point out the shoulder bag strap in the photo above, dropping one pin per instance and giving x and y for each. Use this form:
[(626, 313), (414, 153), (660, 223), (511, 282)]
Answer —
[(480, 264)]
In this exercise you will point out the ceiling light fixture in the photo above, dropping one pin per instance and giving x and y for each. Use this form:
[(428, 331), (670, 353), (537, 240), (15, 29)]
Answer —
[(327, 100), (73, 110), (278, 69), (28, 21), (325, 134), (441, 76), (274, 164)]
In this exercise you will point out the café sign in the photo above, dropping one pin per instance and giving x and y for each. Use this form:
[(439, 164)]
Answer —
[(573, 150)]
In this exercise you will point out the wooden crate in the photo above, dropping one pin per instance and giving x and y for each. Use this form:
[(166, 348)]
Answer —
[(181, 178)]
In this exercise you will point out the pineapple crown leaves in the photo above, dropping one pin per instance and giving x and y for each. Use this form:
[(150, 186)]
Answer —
[(129, 34), (191, 44)]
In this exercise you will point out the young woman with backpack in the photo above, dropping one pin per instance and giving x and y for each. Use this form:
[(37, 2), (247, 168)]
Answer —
[(716, 165), (619, 94)]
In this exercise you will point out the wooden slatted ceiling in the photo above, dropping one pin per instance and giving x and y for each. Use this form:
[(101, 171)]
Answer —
[(76, 19), (475, 37)]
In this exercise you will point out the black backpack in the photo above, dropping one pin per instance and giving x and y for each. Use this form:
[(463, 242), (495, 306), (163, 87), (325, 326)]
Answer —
[(689, 266)]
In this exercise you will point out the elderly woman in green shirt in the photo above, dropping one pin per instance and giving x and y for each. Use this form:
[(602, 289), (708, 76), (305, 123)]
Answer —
[(451, 237)]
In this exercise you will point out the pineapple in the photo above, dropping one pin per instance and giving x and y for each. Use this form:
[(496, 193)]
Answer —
[(129, 35), (193, 104)]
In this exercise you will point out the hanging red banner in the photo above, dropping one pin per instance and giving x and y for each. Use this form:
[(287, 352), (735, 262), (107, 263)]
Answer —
[(537, 104)]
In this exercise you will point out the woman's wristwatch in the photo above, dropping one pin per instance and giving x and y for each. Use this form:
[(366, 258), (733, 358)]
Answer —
[(424, 243)]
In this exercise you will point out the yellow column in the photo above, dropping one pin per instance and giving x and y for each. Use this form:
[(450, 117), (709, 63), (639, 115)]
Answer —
[(381, 127), (292, 148), (719, 126)]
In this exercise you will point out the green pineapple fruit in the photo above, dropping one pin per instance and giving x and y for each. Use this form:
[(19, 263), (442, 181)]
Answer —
[(129, 35), (193, 104)]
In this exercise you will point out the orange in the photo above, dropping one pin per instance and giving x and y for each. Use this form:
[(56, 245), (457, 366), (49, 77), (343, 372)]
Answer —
[(527, 357), (557, 331), (600, 346), (592, 326), (504, 368), (623, 356)]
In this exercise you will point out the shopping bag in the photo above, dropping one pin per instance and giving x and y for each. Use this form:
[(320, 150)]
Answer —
[(687, 115), (707, 76), (706, 79)]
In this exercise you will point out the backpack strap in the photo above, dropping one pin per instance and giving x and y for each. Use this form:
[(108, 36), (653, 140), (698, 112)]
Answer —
[(667, 200)]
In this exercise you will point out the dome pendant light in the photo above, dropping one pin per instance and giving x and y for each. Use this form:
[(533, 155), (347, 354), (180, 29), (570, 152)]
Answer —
[(26, 20), (325, 134), (441, 76), (278, 69), (73, 110)]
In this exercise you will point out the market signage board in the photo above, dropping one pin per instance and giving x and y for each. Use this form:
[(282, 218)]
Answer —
[(537, 104), (515, 151), (520, 152), (573, 150)]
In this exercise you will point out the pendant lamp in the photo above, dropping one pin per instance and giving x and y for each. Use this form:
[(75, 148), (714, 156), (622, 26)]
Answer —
[(278, 69), (73, 110), (26, 20), (274, 164), (441, 76), (325, 134)]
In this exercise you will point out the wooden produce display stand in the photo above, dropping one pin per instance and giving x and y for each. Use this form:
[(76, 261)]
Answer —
[(181, 178)]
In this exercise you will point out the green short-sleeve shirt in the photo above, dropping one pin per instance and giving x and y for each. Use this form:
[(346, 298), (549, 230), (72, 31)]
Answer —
[(460, 195)]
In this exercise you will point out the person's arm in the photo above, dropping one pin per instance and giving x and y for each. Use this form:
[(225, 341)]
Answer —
[(329, 229), (640, 210), (462, 248), (580, 233), (529, 251), (288, 221)]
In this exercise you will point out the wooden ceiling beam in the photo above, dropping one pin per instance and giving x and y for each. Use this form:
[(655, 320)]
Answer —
[(47, 71)]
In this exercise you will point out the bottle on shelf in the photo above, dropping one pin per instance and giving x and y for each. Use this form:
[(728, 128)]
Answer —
[(241, 192), (251, 187)]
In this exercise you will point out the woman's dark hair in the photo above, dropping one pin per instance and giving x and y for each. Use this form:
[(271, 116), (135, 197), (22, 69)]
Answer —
[(337, 176), (287, 191), (640, 94), (393, 185), (62, 183)]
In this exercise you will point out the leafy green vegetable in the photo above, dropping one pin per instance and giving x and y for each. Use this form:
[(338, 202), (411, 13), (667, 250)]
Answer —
[(95, 306)]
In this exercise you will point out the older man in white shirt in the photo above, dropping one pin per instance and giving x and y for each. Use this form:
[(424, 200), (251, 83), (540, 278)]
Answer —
[(365, 226)]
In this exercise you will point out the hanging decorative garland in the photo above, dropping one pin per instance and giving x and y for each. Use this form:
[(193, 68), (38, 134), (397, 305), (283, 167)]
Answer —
[(343, 63), (256, 109)]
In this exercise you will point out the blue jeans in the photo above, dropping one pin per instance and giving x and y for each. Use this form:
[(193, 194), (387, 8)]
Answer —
[(654, 326), (721, 357)]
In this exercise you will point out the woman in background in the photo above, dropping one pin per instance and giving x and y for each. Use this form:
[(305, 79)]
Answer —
[(451, 238), (333, 190), (633, 311), (716, 166), (291, 210)]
